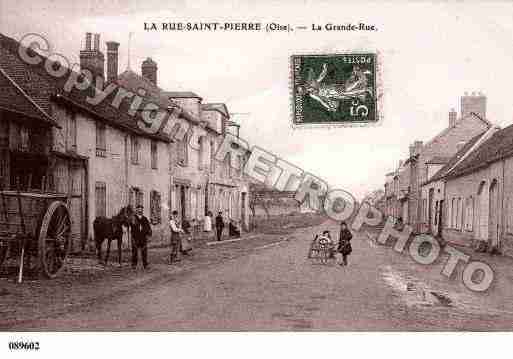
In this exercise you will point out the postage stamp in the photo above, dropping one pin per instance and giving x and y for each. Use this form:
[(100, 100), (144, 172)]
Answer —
[(334, 89)]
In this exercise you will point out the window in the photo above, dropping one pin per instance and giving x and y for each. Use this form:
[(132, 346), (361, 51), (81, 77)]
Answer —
[(201, 155), (436, 213), (240, 164), (101, 144), (155, 208), (452, 213), (459, 215), (228, 161), (100, 190), (134, 150), (509, 211), (182, 150), (72, 132), (135, 197), (154, 154), (469, 213), (212, 157)]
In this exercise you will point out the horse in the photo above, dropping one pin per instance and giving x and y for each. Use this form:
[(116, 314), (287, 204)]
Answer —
[(111, 229)]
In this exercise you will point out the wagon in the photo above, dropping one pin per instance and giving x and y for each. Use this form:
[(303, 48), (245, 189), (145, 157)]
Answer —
[(35, 228), (322, 249)]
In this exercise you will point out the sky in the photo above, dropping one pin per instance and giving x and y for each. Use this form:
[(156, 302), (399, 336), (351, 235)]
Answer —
[(431, 53)]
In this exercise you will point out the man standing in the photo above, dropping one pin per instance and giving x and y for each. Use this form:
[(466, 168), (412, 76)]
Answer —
[(141, 230), (219, 225), (175, 237)]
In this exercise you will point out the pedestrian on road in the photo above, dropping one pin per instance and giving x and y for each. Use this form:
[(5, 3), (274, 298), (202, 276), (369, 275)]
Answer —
[(233, 231), (207, 225), (344, 243), (175, 237), (219, 225), (186, 238), (141, 230)]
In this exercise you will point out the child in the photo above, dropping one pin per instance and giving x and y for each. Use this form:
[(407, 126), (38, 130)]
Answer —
[(344, 243)]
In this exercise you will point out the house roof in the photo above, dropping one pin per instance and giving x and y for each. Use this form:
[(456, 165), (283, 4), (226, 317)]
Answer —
[(134, 82), (180, 94), (495, 148), (438, 160), (447, 129), (14, 99), (220, 107), (444, 171), (43, 89)]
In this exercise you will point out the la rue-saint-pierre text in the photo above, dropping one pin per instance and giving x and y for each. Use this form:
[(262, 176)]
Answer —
[(254, 26)]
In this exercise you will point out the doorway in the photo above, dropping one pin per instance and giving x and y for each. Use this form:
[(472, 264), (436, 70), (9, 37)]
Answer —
[(493, 226)]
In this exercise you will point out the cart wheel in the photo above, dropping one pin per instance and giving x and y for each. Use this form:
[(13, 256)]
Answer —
[(54, 239)]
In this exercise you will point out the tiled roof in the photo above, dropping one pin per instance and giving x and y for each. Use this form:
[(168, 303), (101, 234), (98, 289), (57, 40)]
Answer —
[(43, 88), (495, 148), (14, 99), (454, 159), (133, 82)]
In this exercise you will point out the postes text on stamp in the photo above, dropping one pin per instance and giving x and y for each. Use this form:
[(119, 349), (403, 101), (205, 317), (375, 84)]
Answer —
[(334, 89)]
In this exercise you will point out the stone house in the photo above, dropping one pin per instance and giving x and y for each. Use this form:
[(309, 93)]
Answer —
[(478, 195), (98, 154), (425, 158), (105, 160), (197, 182), (434, 215)]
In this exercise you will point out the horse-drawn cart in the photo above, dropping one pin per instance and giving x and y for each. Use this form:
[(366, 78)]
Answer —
[(35, 227)]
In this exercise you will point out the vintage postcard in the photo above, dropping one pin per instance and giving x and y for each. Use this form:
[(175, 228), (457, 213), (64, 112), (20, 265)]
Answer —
[(238, 166)]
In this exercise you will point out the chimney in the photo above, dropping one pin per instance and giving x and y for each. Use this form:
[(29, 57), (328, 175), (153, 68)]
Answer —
[(93, 59), (417, 147), (459, 146), (88, 41), (412, 150), (112, 60), (452, 117), (149, 70), (96, 42), (475, 102)]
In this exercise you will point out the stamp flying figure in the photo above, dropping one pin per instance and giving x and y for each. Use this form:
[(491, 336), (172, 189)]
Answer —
[(330, 95)]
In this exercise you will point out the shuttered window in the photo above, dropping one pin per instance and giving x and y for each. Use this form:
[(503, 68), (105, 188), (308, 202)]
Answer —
[(134, 150), (154, 154), (101, 143), (72, 132), (101, 199)]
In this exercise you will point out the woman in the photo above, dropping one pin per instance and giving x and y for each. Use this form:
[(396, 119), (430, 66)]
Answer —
[(207, 224), (344, 243)]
